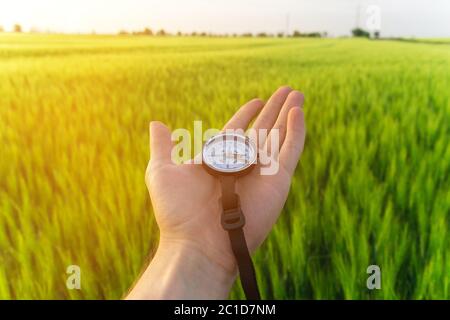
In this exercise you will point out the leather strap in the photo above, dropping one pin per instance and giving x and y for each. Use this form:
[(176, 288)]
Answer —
[(233, 221)]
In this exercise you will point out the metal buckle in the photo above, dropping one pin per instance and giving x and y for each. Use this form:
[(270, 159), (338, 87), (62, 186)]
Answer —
[(232, 219)]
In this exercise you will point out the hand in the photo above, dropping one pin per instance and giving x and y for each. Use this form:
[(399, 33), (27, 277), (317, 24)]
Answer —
[(186, 203)]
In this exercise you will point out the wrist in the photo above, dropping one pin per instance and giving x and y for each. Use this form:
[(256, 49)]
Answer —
[(181, 270)]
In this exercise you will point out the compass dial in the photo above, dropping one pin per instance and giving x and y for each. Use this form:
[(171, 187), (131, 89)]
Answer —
[(229, 153)]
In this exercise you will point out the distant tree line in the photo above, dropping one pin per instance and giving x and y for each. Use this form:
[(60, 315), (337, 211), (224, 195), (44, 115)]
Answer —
[(162, 32), (16, 28), (361, 33), (297, 34), (356, 32)]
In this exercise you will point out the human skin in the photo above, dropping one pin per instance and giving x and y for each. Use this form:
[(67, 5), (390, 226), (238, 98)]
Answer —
[(194, 258)]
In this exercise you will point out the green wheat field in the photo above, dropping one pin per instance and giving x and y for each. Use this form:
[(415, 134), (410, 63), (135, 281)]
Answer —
[(372, 187)]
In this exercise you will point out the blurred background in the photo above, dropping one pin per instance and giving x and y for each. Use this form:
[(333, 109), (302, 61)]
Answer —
[(81, 80)]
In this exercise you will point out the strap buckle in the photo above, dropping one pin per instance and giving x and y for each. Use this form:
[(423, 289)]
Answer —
[(232, 219)]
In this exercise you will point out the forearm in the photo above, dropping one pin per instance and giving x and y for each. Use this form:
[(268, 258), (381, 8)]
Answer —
[(180, 271)]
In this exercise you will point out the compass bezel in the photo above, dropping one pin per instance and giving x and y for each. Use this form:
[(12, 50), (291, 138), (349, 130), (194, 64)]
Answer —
[(231, 171)]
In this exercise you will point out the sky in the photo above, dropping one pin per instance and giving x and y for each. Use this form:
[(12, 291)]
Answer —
[(402, 18)]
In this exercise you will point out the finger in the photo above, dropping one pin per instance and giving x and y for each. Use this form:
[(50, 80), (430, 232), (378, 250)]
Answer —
[(269, 113), (160, 143), (294, 99), (245, 115), (295, 140)]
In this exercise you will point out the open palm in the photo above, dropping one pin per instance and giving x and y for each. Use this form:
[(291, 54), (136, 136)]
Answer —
[(186, 198)]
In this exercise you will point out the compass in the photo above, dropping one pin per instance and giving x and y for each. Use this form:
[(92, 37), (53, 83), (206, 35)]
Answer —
[(229, 154)]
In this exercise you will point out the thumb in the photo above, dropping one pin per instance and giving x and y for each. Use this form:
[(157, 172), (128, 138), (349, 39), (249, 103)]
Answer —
[(160, 143)]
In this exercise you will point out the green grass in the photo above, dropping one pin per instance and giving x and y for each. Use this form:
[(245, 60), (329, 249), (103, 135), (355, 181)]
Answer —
[(372, 186)]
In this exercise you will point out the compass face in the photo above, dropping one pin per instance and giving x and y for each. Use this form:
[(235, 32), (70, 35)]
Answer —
[(229, 153)]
